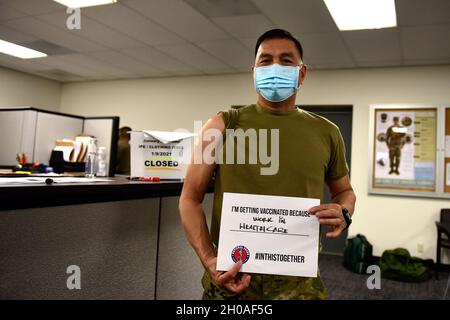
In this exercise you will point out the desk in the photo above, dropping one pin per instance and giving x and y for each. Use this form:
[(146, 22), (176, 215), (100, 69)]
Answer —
[(125, 236)]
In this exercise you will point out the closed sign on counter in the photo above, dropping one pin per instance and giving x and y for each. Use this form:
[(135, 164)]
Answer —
[(161, 154)]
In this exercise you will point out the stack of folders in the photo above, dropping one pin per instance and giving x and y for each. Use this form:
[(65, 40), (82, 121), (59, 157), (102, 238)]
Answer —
[(73, 150)]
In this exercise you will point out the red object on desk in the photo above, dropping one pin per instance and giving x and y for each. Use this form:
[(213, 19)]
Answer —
[(151, 179), (21, 158)]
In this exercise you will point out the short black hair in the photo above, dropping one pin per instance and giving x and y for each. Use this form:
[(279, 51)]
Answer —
[(279, 34), (124, 132)]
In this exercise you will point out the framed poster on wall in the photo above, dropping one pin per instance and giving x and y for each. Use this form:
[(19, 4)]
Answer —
[(447, 151), (405, 149), (406, 153)]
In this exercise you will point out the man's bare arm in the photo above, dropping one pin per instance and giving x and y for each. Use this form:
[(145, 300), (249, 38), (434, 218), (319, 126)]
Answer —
[(342, 193), (330, 214), (193, 217), (198, 177)]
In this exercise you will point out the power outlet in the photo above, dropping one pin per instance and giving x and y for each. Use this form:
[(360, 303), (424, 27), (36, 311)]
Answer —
[(420, 247)]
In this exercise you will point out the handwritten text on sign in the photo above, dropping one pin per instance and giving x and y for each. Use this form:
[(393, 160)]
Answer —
[(271, 234)]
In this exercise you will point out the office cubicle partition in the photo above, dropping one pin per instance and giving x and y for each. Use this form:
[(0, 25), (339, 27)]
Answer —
[(106, 130), (34, 132)]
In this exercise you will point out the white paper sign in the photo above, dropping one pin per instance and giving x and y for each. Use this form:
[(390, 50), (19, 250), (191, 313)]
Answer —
[(271, 234), (165, 155)]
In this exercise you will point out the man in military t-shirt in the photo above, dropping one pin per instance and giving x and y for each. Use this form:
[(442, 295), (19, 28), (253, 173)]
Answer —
[(311, 153), (395, 140)]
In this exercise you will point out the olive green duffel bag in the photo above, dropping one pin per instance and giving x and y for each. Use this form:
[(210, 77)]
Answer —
[(398, 264)]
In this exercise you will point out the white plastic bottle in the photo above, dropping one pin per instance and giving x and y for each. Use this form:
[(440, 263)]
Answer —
[(91, 159), (101, 162)]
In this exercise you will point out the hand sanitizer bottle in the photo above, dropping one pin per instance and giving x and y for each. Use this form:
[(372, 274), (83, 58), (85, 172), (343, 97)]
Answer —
[(101, 162), (91, 159)]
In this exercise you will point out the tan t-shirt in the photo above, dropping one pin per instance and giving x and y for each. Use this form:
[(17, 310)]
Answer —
[(311, 150), (123, 158)]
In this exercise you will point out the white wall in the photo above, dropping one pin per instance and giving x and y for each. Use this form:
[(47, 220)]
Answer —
[(21, 89), (158, 104), (169, 103)]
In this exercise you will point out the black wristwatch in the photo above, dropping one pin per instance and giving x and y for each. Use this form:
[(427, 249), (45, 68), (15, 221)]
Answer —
[(347, 217)]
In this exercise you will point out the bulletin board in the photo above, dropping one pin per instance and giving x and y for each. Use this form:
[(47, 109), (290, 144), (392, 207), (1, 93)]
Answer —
[(409, 150)]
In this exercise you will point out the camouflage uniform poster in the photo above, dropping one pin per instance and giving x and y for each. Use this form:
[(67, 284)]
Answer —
[(447, 151), (405, 149)]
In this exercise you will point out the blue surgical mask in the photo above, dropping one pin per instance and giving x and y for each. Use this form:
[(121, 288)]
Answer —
[(276, 82)]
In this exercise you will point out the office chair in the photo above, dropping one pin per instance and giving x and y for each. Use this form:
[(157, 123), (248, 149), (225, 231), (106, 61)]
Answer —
[(443, 228)]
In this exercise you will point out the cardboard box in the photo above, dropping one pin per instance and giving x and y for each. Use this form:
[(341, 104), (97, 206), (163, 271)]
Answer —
[(161, 154)]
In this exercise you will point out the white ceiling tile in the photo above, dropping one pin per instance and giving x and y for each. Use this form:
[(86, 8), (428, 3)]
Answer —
[(95, 64), (374, 45), (14, 36), (60, 75), (332, 65), (373, 63), (244, 69), (84, 65), (27, 70), (425, 42), (232, 52), (64, 63), (249, 43), (162, 60), (8, 13), (223, 8), (180, 18), (24, 64), (91, 30), (221, 70), (249, 26), (46, 76), (421, 62), (324, 48), (193, 56), (422, 12), (34, 7), (298, 16), (126, 63), (63, 37), (153, 38), (133, 23)]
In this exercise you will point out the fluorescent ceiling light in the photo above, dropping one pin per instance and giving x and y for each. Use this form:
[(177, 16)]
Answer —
[(362, 14), (84, 3), (19, 51)]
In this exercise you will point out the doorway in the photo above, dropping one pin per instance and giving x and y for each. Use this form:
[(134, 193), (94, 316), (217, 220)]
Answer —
[(340, 115)]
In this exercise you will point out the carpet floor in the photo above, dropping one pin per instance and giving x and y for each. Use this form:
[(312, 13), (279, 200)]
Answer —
[(343, 284)]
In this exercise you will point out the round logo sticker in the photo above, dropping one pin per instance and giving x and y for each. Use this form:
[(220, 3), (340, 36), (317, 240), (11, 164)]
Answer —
[(240, 253)]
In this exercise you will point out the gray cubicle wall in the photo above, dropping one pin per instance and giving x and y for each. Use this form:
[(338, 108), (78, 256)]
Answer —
[(133, 249), (34, 131), (106, 130), (179, 270), (51, 126), (113, 243), (17, 130)]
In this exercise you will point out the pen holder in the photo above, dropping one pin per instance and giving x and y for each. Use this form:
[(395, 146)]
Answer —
[(60, 166)]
